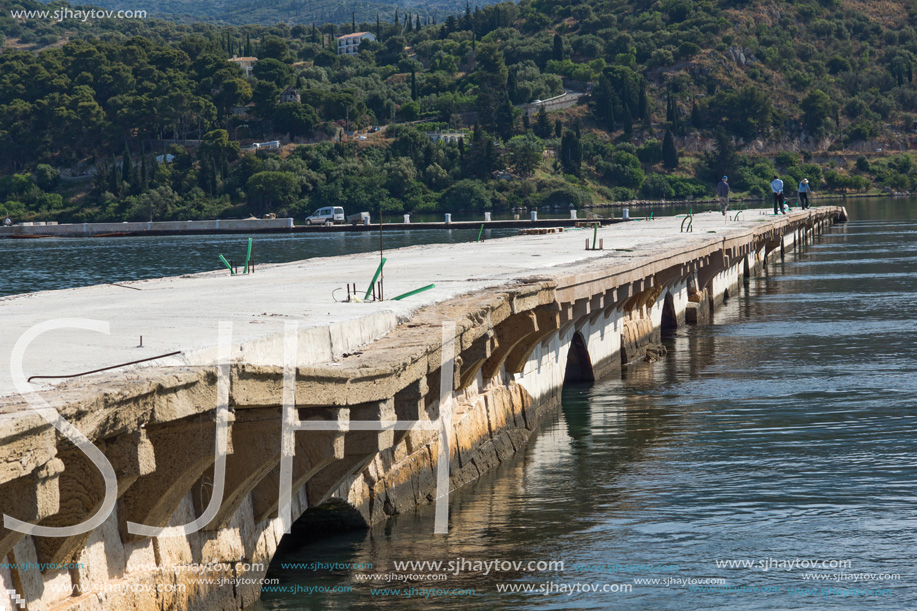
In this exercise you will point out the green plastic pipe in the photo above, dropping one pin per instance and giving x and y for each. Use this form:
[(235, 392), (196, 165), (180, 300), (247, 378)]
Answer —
[(226, 263), (369, 291), (480, 232), (414, 292), (595, 236), (248, 256)]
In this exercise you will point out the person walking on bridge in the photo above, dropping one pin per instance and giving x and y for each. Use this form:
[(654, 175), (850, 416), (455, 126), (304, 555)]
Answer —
[(777, 188), (722, 193), (804, 191)]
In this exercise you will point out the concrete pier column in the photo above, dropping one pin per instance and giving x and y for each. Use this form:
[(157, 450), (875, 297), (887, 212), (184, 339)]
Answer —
[(534, 215), (487, 217), (314, 451), (573, 215), (407, 219), (82, 491), (184, 450), (30, 498), (448, 218)]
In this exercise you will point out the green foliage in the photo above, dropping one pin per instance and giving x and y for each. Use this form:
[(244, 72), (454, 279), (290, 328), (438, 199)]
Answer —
[(46, 177), (818, 109), (466, 195), (669, 152), (656, 186), (524, 153), (786, 159), (571, 153), (267, 190), (566, 196), (110, 97), (650, 152)]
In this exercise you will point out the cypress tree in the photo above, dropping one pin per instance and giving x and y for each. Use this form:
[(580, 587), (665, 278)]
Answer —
[(571, 154), (558, 129), (669, 152), (144, 174), (645, 107), (413, 85), (353, 22), (417, 25), (558, 47), (525, 122), (628, 124), (511, 85), (542, 124), (505, 118), (127, 168), (114, 178)]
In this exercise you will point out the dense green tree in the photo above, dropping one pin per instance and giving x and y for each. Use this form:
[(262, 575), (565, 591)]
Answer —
[(491, 76), (542, 123), (268, 190), (295, 119), (274, 72), (669, 152), (560, 52), (46, 177), (524, 153), (466, 195), (571, 153), (817, 111)]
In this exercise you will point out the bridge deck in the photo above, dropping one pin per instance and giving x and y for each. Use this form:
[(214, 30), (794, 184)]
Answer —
[(182, 313)]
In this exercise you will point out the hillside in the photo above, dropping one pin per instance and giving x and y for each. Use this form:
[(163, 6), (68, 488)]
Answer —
[(270, 12), (679, 92)]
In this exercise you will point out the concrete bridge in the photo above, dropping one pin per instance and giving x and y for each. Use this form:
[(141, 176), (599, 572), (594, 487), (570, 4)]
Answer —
[(529, 313)]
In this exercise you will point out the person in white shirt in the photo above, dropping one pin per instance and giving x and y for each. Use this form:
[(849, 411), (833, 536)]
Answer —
[(804, 191), (777, 188)]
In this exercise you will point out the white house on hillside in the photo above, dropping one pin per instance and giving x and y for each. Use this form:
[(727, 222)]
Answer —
[(348, 45), (246, 63)]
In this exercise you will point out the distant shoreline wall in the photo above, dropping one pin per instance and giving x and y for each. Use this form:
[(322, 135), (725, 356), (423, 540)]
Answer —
[(88, 230)]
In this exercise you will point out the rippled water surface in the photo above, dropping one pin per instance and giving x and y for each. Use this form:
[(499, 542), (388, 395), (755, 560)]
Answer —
[(786, 431)]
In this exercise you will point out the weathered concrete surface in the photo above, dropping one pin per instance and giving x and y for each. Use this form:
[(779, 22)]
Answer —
[(529, 313)]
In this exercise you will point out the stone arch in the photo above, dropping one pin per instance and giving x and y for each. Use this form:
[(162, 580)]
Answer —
[(579, 363), (669, 316)]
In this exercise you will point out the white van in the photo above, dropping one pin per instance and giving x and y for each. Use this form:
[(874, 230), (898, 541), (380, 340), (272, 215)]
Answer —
[(331, 215)]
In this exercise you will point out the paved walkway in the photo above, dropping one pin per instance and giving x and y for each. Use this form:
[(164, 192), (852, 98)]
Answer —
[(182, 313)]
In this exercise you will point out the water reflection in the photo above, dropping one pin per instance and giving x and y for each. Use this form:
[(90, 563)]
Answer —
[(783, 430)]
